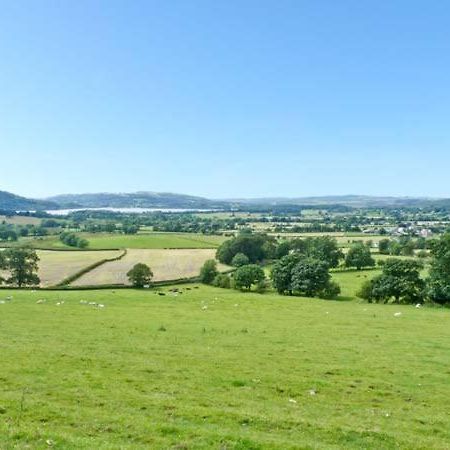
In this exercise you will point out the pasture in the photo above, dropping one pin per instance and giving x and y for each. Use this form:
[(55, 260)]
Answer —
[(165, 264), (212, 368), (109, 241)]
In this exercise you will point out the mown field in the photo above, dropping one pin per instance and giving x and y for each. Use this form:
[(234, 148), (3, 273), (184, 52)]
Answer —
[(20, 220), (105, 241), (166, 264), (55, 266), (213, 368)]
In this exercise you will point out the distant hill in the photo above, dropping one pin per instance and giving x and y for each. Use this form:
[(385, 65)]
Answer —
[(136, 200), (354, 201), (12, 202)]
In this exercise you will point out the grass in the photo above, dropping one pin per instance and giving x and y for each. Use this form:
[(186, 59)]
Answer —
[(166, 264), (213, 368), (105, 241)]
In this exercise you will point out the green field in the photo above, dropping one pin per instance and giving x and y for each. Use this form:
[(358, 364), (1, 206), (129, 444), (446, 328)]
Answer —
[(104, 241), (213, 368)]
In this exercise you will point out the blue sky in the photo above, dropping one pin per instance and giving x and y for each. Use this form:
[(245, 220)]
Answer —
[(240, 98)]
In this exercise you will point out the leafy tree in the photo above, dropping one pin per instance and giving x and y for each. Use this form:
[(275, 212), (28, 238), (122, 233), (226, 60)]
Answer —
[(439, 279), (383, 246), (208, 272), (359, 256), (310, 277), (400, 281), (72, 240), (255, 246), (239, 259), (323, 248), (140, 275), (246, 276), (282, 249), (22, 265), (282, 273)]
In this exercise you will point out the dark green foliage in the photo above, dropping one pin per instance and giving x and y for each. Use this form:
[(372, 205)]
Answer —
[(72, 240), (240, 260), (7, 233), (222, 280), (323, 248), (208, 272), (256, 247), (282, 273), (246, 276), (140, 275), (282, 249), (359, 256), (399, 282), (299, 275), (22, 266), (310, 278), (439, 279), (383, 246)]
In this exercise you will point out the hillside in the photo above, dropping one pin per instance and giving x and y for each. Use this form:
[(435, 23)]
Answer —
[(135, 200), (12, 202)]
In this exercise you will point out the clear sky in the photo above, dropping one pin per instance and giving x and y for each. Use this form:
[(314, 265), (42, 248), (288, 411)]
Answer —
[(235, 98)]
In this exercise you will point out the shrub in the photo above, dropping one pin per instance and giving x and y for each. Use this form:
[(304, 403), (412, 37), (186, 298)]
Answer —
[(208, 272), (222, 280)]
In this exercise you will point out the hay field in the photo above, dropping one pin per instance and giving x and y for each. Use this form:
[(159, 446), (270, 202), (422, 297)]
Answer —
[(55, 266), (165, 264)]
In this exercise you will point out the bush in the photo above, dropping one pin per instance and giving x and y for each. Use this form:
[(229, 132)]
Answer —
[(331, 291), (240, 259), (222, 280), (209, 271)]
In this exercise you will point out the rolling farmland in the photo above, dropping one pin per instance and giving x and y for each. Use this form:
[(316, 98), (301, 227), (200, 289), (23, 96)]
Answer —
[(165, 264), (55, 266)]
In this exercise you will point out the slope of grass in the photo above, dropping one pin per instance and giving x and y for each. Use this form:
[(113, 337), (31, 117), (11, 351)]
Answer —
[(213, 368)]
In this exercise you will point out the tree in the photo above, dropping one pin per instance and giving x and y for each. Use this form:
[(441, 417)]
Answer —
[(399, 282), (383, 246), (140, 275), (246, 276), (22, 265), (323, 248), (208, 271), (359, 256), (310, 277), (256, 247), (282, 249), (439, 279), (282, 273), (239, 259)]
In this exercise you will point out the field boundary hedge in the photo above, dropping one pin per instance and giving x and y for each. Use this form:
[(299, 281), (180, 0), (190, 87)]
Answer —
[(80, 273)]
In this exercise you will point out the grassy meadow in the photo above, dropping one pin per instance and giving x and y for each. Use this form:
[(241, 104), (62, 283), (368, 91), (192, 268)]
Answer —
[(212, 368), (109, 241)]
